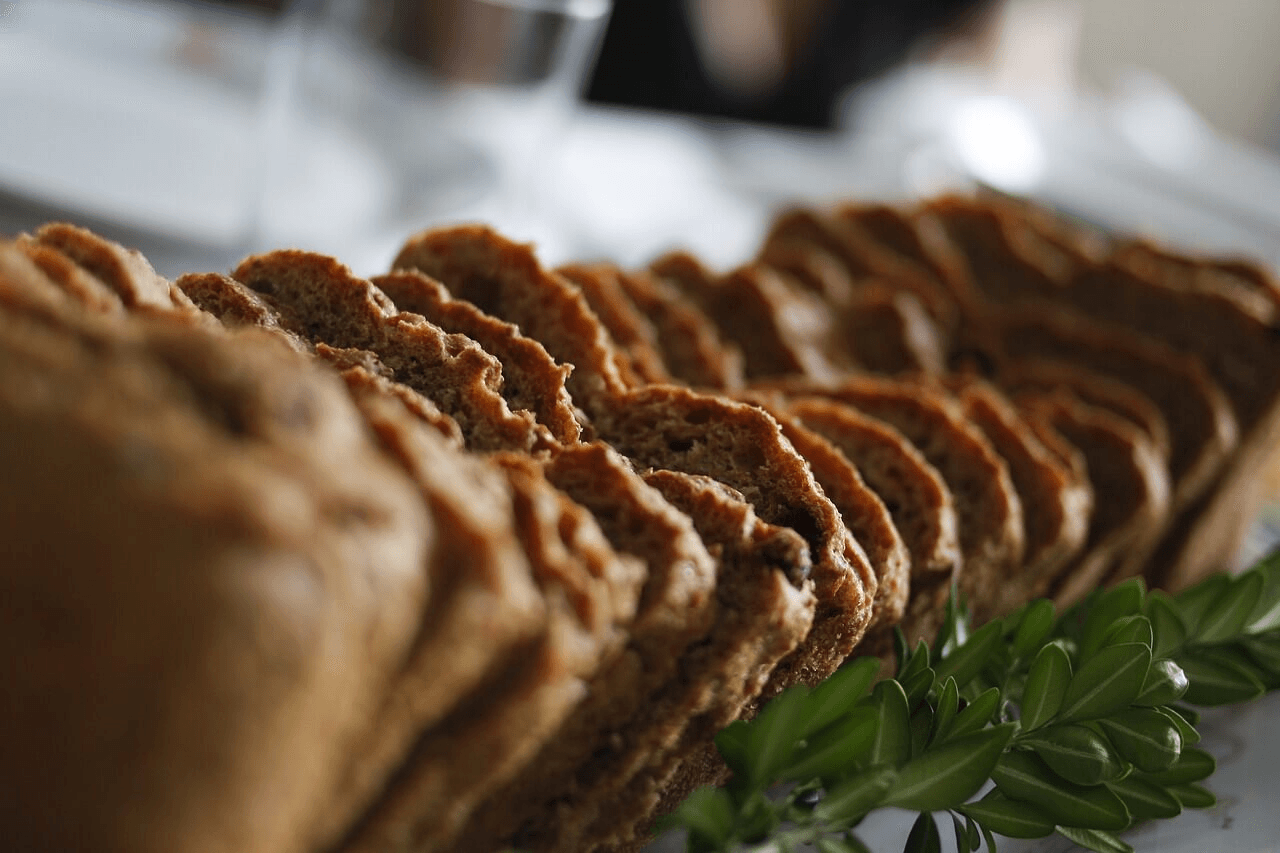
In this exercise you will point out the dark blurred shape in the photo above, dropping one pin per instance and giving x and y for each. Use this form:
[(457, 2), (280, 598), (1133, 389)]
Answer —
[(671, 54)]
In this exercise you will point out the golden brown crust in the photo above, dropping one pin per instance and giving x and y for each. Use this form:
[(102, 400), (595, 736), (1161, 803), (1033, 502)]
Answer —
[(612, 729), (881, 552), (1203, 429), (124, 271), (761, 617), (531, 379), (505, 280), (741, 446), (1123, 466), (76, 281), (691, 345), (321, 300), (1057, 502), (601, 285), (780, 328), (987, 505)]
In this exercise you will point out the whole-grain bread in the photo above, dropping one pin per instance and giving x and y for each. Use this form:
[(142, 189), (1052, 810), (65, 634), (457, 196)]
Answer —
[(741, 446), (230, 608), (531, 380)]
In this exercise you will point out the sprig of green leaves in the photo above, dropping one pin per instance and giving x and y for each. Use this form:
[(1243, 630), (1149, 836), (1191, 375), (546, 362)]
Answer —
[(1076, 718)]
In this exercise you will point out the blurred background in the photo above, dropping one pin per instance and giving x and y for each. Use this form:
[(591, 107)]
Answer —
[(200, 131)]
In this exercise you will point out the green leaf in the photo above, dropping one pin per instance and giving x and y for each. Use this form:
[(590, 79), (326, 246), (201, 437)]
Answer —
[(1144, 737), (1166, 683), (1033, 629), (1226, 617), (1023, 776), (967, 661), (918, 685), (1218, 678), (757, 816), (707, 814), (892, 742), (1266, 613), (1193, 603), (961, 834), (847, 803), (1130, 629), (1076, 753), (1109, 680), (924, 837), (1192, 765), (1009, 818), (1166, 625), (952, 632), (972, 832), (771, 739), (948, 707), (848, 844), (1264, 651), (987, 837), (921, 726), (731, 741), (1194, 796), (834, 698), (1109, 608), (901, 651), (1145, 800), (836, 749), (1046, 687), (1093, 839), (918, 661), (945, 777), (1187, 731), (977, 713)]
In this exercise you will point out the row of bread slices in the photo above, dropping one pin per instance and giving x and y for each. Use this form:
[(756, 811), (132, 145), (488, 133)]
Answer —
[(743, 547)]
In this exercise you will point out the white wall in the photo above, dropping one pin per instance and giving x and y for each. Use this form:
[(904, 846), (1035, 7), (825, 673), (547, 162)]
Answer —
[(1223, 56)]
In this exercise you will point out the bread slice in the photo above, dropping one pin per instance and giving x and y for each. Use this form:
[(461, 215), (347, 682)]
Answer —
[(865, 259), (505, 280), (690, 344), (124, 271), (1092, 387), (918, 500), (612, 729), (637, 337), (531, 380), (861, 509), (1057, 502), (741, 446), (481, 581), (986, 502), (762, 616), (887, 331), (590, 594), (1203, 431), (320, 300), (366, 375), (1150, 261), (1131, 513), (919, 503), (780, 328), (77, 282), (812, 267), (24, 285), (259, 666)]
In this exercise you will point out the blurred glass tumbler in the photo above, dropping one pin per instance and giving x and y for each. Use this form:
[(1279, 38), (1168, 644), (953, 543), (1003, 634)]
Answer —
[(140, 112), (463, 97)]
